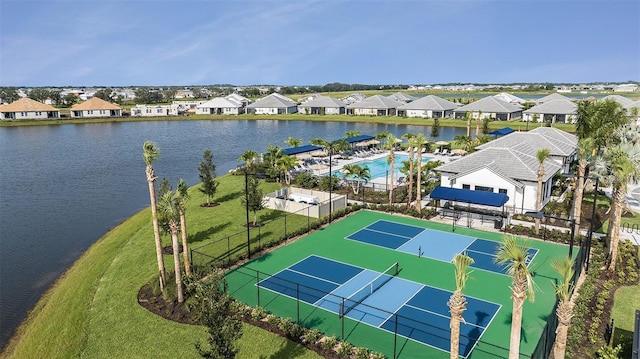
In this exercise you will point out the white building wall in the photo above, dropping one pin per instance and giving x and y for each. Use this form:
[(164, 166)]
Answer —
[(418, 113)]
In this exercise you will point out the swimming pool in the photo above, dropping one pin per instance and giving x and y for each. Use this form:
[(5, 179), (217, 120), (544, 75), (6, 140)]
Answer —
[(378, 167)]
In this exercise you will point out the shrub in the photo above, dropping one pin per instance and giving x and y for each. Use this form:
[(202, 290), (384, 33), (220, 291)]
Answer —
[(362, 353), (306, 180), (311, 336), (607, 352), (345, 349), (329, 342)]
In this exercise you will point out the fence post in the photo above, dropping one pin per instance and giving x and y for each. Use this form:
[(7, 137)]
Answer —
[(298, 303), (228, 250), (258, 286), (259, 238), (285, 229), (395, 337)]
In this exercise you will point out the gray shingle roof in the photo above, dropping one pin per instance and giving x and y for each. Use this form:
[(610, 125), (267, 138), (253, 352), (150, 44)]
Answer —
[(632, 105), (401, 97), (324, 101), (619, 99), (273, 101), (219, 102), (507, 97), (553, 96), (554, 107), (430, 102), (558, 142), (376, 102), (518, 162), (489, 104)]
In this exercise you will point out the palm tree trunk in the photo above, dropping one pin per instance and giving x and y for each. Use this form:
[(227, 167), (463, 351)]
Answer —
[(185, 245), (393, 160), (617, 204), (519, 294), (579, 195), (151, 177), (176, 261), (477, 128), (538, 203), (457, 305), (410, 176), (564, 313), (419, 184)]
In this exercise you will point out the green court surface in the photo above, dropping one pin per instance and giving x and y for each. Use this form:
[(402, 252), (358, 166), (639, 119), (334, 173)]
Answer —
[(331, 243)]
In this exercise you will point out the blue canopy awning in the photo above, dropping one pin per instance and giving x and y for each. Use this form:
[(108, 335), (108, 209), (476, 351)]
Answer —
[(503, 131), (359, 138), (469, 196), (300, 149)]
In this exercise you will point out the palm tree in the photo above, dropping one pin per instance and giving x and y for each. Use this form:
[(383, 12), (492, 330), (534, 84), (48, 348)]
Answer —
[(274, 153), (564, 311), (183, 195), (617, 167), (468, 117), (350, 134), (420, 140), (585, 147), (248, 157), (285, 163), (150, 153), (465, 141), (541, 155), (515, 258), (170, 212), (478, 127), (412, 147), (457, 302), (357, 173), (293, 142), (390, 145)]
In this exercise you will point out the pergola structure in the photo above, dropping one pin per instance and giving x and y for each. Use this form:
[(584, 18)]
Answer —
[(471, 197)]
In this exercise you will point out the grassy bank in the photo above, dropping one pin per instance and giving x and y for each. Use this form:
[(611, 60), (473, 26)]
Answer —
[(92, 311)]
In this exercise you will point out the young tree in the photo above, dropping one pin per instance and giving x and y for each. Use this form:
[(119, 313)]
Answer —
[(465, 141), (215, 309), (248, 157), (150, 153), (208, 176), (170, 212), (515, 258), (356, 173), (457, 302), (564, 311), (435, 128), (183, 197), (255, 199), (541, 155), (285, 163), (104, 94)]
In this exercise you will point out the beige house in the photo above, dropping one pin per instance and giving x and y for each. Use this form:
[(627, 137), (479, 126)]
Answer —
[(28, 109), (94, 108)]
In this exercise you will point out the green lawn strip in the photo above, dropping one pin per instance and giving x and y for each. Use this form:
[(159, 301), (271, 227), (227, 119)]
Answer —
[(92, 310), (330, 243), (625, 303)]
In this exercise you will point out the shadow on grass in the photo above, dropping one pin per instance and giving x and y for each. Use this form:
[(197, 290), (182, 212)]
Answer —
[(625, 339), (288, 350), (230, 196), (202, 235)]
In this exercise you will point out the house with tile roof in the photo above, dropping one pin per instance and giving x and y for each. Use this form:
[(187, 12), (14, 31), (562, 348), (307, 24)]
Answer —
[(510, 170), (95, 107), (377, 105), (430, 106), (28, 109), (555, 111), (273, 104), (322, 105), (490, 107)]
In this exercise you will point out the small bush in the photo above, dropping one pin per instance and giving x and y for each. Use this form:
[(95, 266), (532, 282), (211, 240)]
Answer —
[(607, 352), (329, 342), (311, 336), (345, 349), (362, 353)]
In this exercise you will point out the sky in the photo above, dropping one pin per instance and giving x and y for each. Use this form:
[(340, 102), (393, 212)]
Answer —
[(297, 43)]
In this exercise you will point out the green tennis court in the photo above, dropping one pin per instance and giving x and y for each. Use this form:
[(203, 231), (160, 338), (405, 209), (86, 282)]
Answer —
[(314, 279)]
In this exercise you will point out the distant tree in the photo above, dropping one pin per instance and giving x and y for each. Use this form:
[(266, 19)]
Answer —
[(412, 148), (8, 95), (248, 157), (306, 180), (350, 134), (39, 94), (70, 100), (255, 200), (147, 95), (169, 94), (56, 97), (468, 116), (215, 310), (197, 92), (435, 128), (293, 142), (207, 175), (104, 94), (485, 125)]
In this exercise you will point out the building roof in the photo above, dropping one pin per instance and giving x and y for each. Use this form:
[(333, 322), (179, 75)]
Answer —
[(324, 101), (619, 99), (632, 105), (430, 102), (553, 96), (376, 102), (219, 102), (27, 105), (502, 132), (234, 97), (95, 103), (401, 97), (359, 138), (558, 142), (300, 149), (560, 106), (518, 162), (489, 104), (507, 97), (469, 196), (274, 100)]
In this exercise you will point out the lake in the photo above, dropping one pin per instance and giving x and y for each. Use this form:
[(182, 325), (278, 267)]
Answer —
[(63, 187)]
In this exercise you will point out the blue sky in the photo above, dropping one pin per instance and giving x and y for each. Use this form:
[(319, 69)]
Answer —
[(279, 42)]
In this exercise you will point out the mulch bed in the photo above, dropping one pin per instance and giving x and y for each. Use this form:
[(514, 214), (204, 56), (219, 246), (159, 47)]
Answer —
[(210, 205)]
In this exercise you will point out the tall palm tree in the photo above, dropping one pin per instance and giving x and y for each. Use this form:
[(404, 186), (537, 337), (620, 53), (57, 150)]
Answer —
[(248, 157), (150, 153), (169, 209), (585, 147), (357, 174), (465, 141), (183, 195), (468, 117), (564, 311), (541, 155), (285, 163), (477, 128), (274, 153), (457, 302), (293, 142), (420, 140), (515, 259), (412, 147), (390, 145)]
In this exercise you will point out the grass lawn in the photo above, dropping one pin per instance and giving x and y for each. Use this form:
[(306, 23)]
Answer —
[(92, 311), (625, 304)]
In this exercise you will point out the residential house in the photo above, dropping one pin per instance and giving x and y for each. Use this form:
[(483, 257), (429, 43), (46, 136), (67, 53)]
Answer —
[(155, 110), (633, 110), (562, 145), (322, 105), (273, 104), (28, 109), (401, 97), (490, 107), (507, 97), (220, 106), (617, 98), (234, 97), (377, 105), (353, 98), (552, 97), (95, 107), (556, 111), (428, 106)]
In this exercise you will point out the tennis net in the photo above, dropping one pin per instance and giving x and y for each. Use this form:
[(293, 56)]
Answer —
[(363, 293)]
